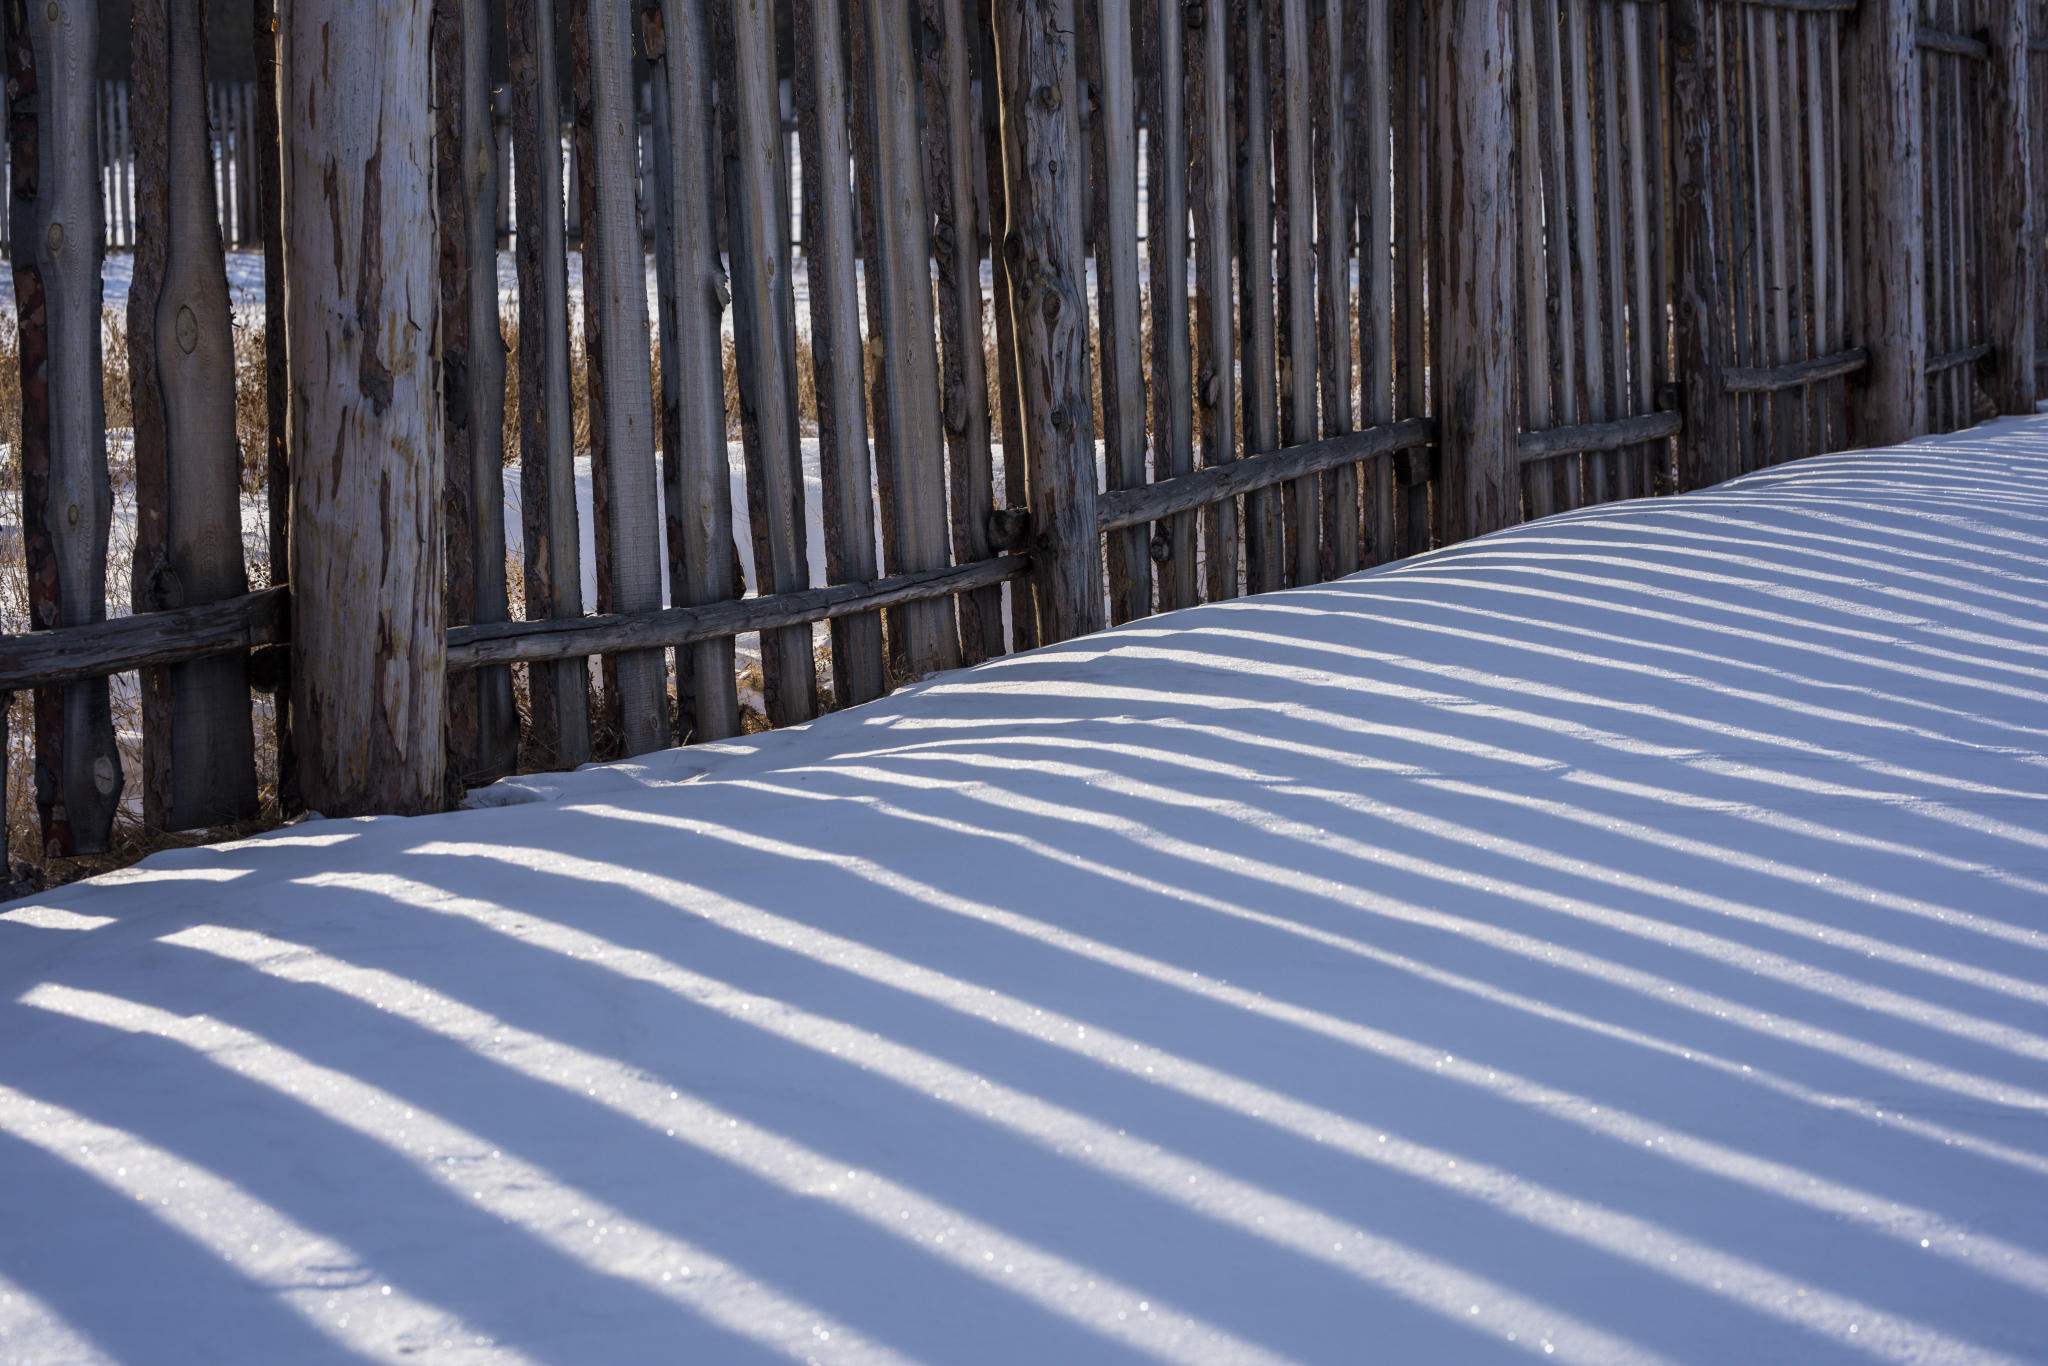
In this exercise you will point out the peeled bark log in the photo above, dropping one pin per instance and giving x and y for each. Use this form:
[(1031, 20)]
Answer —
[(213, 761), (368, 670), (1042, 245), (2010, 218), (558, 693), (699, 488), (1893, 405), (67, 501), (1472, 289)]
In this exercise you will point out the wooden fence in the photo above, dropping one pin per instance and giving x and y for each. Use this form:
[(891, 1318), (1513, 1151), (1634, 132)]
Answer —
[(1411, 271)]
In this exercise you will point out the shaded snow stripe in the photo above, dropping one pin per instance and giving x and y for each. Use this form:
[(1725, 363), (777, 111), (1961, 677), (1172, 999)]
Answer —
[(1713, 948), (1387, 1264), (355, 1305), (1008, 1263), (1654, 988), (1224, 1197), (1806, 879), (527, 1196), (31, 1331)]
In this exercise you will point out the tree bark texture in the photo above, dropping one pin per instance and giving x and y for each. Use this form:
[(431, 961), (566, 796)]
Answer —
[(699, 487), (1042, 244), (903, 326), (213, 762), (849, 510), (619, 287), (1472, 287), (1700, 303), (368, 671), (2010, 218), (1893, 402), (67, 501), (558, 694)]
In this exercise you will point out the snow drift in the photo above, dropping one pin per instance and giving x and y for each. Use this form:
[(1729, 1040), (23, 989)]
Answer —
[(1618, 939)]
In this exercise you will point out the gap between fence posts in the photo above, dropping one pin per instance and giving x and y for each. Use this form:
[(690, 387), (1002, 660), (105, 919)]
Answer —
[(1472, 292), (1892, 405)]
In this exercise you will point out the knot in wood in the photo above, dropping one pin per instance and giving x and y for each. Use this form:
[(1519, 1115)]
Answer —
[(1049, 96)]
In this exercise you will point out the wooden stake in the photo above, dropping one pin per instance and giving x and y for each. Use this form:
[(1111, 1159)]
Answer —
[(1702, 325), (1036, 84), (1893, 404), (558, 693), (2008, 216), (57, 237), (699, 488), (1471, 291), (368, 670)]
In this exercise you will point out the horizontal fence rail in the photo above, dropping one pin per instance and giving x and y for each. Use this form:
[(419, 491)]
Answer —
[(852, 342)]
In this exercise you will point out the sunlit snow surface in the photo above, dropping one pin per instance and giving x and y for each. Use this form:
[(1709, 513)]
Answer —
[(1621, 939)]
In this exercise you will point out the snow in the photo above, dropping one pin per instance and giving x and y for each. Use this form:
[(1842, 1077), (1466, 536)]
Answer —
[(1620, 939)]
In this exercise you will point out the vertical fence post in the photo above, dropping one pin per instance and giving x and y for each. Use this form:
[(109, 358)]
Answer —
[(1893, 401), (212, 747), (1041, 242), (700, 485), (2005, 199), (558, 693), (67, 501), (369, 672), (1472, 288), (1701, 312)]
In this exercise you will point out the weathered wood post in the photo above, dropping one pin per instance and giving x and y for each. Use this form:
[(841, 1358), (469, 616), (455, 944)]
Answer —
[(1702, 327), (57, 237), (2004, 200), (1036, 88), (182, 374), (699, 485), (1472, 292), (559, 693), (1892, 403), (483, 723), (618, 286), (368, 666)]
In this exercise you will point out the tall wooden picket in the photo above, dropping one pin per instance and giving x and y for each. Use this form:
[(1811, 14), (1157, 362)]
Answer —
[(368, 666), (57, 232)]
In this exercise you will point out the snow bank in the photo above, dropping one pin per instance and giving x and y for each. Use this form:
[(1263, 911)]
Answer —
[(1620, 939)]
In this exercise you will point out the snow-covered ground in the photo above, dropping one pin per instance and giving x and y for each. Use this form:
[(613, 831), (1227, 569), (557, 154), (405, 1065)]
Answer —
[(1620, 939)]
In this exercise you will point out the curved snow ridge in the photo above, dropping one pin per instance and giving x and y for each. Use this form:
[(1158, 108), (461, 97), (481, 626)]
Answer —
[(1617, 939)]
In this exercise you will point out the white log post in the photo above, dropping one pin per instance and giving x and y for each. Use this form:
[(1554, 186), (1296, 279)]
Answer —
[(369, 678)]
